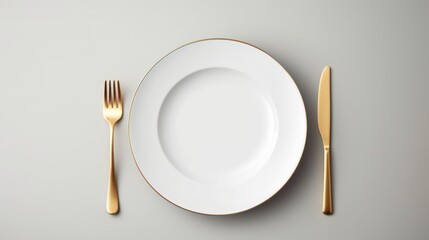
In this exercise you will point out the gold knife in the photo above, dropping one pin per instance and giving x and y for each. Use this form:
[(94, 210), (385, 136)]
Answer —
[(324, 122)]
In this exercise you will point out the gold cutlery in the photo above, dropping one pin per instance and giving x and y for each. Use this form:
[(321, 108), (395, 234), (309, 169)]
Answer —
[(112, 112), (324, 122)]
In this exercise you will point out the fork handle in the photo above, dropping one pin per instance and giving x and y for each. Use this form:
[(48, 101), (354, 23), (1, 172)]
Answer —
[(327, 190), (112, 203)]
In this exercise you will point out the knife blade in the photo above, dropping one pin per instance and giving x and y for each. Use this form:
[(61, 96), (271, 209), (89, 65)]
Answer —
[(324, 123)]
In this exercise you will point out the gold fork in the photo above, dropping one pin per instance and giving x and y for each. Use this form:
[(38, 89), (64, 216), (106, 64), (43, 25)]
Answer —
[(112, 112)]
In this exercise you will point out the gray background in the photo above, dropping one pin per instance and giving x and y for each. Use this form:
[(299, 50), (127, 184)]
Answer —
[(54, 56)]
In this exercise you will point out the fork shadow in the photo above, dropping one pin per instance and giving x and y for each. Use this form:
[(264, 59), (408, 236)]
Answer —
[(121, 142)]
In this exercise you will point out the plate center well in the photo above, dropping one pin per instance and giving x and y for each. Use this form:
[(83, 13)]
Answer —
[(217, 126)]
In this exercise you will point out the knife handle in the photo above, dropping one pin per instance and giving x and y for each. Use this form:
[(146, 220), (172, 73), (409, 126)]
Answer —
[(327, 190)]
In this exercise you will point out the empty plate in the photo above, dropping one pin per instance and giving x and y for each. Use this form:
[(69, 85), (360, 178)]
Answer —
[(217, 127)]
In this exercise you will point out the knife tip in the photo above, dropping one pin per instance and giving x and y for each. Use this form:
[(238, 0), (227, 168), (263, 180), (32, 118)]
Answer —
[(327, 67)]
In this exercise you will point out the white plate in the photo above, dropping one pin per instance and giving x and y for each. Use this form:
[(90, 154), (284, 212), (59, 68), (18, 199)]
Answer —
[(217, 127)]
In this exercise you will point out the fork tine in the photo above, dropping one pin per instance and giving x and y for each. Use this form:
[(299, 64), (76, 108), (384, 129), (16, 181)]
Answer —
[(105, 93), (115, 101), (119, 95), (110, 94)]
